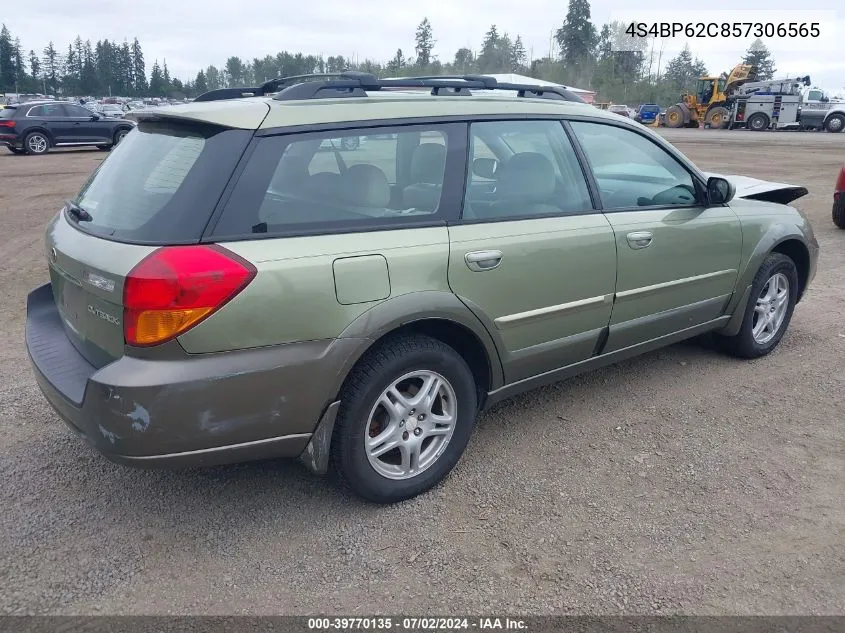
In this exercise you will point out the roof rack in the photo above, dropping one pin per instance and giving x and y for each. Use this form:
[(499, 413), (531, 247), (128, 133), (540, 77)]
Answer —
[(358, 84)]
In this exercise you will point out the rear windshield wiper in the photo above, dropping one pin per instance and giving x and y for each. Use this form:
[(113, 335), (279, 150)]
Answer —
[(77, 213)]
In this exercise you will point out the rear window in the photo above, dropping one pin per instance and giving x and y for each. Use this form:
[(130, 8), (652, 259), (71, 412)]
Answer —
[(161, 184)]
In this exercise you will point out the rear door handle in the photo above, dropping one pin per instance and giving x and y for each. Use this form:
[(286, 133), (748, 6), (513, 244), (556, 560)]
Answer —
[(640, 239), (479, 261)]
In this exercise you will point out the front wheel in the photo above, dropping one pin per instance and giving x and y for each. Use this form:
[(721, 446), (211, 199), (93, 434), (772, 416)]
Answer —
[(406, 415), (835, 123), (119, 136), (774, 293)]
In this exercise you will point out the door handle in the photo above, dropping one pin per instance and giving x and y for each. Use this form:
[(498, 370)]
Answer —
[(640, 239), (479, 261)]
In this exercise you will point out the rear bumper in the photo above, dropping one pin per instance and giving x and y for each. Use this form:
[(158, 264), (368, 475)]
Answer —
[(186, 410)]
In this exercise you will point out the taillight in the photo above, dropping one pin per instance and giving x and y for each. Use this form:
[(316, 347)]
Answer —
[(6, 123), (175, 287), (840, 182)]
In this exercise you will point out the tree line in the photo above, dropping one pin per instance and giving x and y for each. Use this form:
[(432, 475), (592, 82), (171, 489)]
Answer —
[(580, 54)]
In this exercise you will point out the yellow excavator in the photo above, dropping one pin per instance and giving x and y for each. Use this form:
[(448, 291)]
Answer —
[(710, 101)]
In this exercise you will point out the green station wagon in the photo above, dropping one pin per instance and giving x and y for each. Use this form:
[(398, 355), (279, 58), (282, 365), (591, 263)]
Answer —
[(238, 280)]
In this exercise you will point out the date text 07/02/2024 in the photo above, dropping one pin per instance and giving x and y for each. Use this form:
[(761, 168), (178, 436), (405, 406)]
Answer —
[(724, 29)]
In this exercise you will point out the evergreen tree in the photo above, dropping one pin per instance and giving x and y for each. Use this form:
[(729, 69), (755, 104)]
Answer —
[(52, 63), (200, 85), (139, 73), (35, 70), (682, 71), (464, 61), (518, 56), (157, 87), (212, 76), (488, 58), (577, 40), (424, 43), (166, 78), (235, 72), (759, 56), (7, 73), (395, 65)]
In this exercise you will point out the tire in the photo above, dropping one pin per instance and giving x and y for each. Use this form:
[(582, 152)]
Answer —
[(775, 268), (758, 122), (36, 143), (380, 478), (839, 212), (717, 117), (674, 116), (835, 123), (118, 136)]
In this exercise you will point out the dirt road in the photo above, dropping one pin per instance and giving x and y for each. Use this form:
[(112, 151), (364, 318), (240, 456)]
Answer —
[(682, 481)]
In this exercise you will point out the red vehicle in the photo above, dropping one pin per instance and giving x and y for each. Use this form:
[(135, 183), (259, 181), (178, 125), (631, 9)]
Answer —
[(839, 200)]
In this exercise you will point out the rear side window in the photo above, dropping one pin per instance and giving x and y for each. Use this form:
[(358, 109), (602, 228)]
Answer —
[(51, 109), (7, 113), (347, 180), (161, 184)]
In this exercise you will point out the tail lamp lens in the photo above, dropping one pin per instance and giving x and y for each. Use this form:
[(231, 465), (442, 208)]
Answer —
[(176, 287)]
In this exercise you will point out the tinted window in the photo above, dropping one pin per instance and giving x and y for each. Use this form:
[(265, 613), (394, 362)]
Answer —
[(343, 180), (7, 113), (52, 109), (631, 170), (77, 111), (162, 182), (523, 169)]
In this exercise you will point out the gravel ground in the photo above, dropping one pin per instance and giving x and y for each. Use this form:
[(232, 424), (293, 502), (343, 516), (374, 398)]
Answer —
[(679, 482)]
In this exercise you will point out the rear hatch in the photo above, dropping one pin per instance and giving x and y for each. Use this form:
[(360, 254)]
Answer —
[(158, 187)]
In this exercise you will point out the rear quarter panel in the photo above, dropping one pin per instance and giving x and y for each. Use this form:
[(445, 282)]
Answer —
[(295, 296)]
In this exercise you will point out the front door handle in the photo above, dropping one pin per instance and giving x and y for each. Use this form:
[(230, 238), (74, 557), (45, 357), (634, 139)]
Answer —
[(640, 239), (479, 261)]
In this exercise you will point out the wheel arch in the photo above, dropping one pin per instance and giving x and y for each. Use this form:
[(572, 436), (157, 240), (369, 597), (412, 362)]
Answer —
[(438, 314), (798, 252), (42, 130)]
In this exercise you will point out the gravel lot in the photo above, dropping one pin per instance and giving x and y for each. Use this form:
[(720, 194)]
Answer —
[(682, 481)]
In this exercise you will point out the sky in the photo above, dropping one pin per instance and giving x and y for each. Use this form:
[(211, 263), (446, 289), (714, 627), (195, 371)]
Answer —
[(191, 34)]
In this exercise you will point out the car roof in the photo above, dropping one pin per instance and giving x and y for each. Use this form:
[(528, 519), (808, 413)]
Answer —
[(266, 112)]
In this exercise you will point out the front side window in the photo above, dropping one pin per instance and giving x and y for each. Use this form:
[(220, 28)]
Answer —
[(633, 171), (523, 169), (77, 111), (341, 180)]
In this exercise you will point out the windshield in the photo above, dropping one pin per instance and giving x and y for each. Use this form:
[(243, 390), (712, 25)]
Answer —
[(161, 183)]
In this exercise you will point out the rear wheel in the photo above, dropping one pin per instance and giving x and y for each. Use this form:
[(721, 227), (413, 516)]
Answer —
[(835, 123), (406, 415), (36, 143), (774, 293), (674, 116), (758, 122)]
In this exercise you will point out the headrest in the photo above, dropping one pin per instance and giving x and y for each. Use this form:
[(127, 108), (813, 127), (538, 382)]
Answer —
[(428, 163), (365, 186), (527, 175)]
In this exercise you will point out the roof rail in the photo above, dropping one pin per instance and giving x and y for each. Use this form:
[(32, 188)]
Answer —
[(357, 84)]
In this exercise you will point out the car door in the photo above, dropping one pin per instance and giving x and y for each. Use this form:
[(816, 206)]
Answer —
[(530, 256), (52, 118), (678, 258), (87, 128)]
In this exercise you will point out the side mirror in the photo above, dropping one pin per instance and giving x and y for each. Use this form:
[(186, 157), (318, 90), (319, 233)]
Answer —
[(485, 167), (719, 191)]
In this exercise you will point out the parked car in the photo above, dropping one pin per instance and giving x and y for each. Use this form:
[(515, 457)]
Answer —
[(35, 127), (839, 200), (111, 110), (647, 113), (621, 110), (359, 312)]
